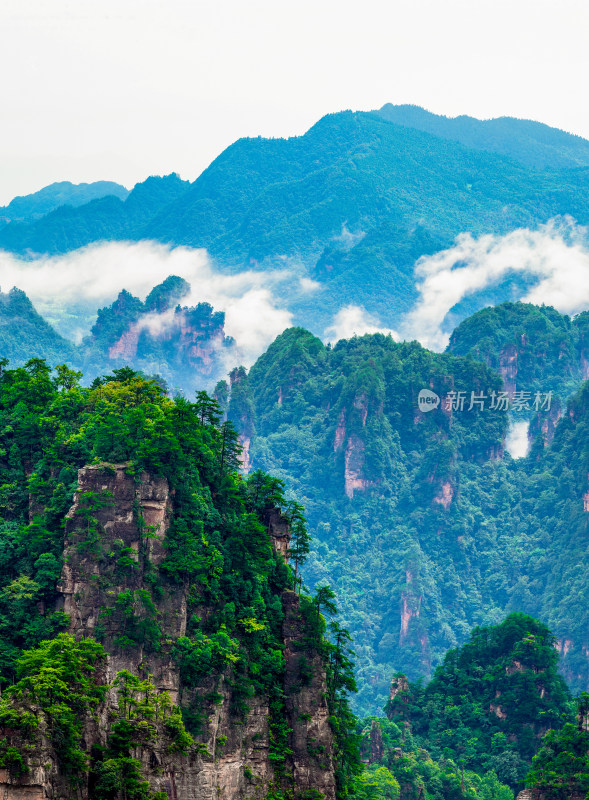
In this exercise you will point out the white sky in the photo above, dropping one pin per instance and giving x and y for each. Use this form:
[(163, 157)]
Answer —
[(121, 89)]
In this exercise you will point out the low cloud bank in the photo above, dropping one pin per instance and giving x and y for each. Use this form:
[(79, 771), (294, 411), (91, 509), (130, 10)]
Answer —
[(69, 289), (355, 321), (556, 256), (80, 282)]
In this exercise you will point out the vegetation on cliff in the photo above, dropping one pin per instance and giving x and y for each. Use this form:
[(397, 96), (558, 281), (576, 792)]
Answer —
[(217, 553), (421, 523), (473, 730), (535, 348), (561, 768)]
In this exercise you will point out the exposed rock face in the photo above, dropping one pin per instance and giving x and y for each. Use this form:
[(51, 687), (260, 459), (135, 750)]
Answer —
[(159, 336), (399, 685), (398, 697), (445, 495), (376, 742), (310, 740), (508, 367), (128, 519), (244, 418), (340, 431), (279, 531), (354, 463)]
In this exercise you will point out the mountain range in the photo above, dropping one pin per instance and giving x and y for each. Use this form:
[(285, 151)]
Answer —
[(352, 204), (167, 625)]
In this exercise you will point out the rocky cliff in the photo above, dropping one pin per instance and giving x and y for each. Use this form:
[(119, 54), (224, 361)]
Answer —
[(113, 589), (183, 344)]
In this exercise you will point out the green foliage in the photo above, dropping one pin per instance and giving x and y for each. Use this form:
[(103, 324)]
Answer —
[(420, 523), (376, 784), (547, 346), (561, 768), (409, 767), (217, 552), (58, 680), (478, 723)]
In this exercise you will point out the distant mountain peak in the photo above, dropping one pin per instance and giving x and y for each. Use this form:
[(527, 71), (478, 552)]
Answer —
[(532, 143), (33, 206)]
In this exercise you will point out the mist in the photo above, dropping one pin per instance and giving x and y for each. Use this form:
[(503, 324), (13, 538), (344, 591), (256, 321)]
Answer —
[(516, 442), (354, 320), (69, 289), (556, 255)]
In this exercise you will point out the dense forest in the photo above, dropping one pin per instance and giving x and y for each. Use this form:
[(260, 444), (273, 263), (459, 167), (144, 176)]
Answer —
[(352, 204), (421, 523), (495, 716), (211, 555)]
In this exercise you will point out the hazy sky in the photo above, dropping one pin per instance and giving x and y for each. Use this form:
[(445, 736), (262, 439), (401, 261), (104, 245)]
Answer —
[(120, 89)]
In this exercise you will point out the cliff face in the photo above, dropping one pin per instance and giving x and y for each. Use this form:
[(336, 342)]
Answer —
[(159, 336), (115, 540)]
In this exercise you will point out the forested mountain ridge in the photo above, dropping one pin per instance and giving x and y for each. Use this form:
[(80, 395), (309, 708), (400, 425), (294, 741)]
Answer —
[(476, 728), (24, 333), (36, 205), (421, 522), (185, 346), (161, 650), (107, 218), (353, 203), (531, 143), (535, 349)]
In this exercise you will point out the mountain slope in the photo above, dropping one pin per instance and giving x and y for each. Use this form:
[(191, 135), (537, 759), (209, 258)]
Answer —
[(420, 522), (531, 143), (479, 721), (24, 334), (64, 193), (293, 196), (151, 643), (381, 484), (353, 203), (106, 218), (535, 349)]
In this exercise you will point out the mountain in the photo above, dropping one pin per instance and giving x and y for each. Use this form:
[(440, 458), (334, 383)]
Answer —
[(186, 346), (352, 204), (36, 205), (24, 334), (106, 218), (421, 522), (535, 349), (533, 144), (152, 643), (381, 484), (479, 721)]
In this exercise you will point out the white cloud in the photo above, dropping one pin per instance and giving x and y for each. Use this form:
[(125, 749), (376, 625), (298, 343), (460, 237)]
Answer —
[(556, 255), (516, 442), (93, 276), (354, 321), (308, 285)]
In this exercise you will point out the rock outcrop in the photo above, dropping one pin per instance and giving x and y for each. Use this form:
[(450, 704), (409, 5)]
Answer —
[(115, 539)]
